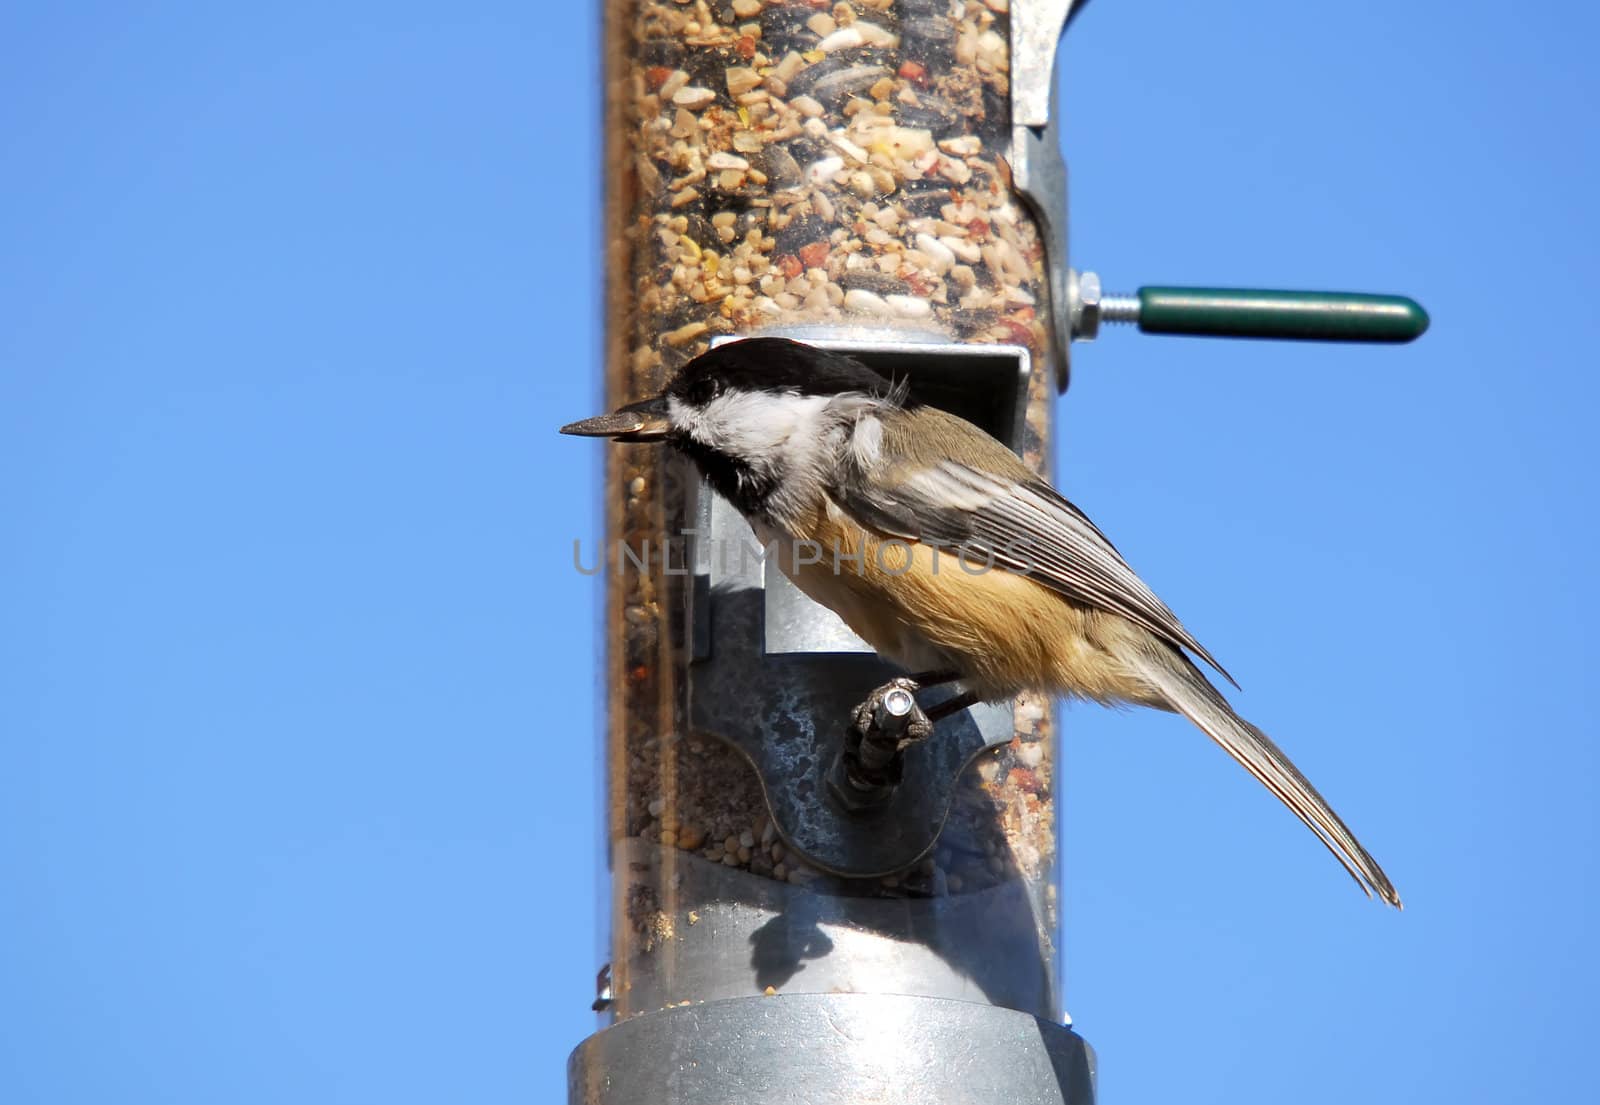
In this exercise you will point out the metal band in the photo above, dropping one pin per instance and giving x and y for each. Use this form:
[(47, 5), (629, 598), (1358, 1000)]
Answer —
[(833, 1049)]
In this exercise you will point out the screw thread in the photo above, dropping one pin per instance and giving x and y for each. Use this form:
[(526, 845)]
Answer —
[(1119, 309)]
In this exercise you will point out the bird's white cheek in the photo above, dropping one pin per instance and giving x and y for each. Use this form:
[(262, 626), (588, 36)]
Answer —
[(762, 428)]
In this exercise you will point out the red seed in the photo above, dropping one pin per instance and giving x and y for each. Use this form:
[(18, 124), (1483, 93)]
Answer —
[(790, 265), (814, 255), (1020, 333), (657, 76), (913, 71), (746, 46), (918, 283)]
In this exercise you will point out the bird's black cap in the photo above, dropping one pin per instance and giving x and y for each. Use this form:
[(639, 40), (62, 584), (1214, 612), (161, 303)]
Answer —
[(774, 364)]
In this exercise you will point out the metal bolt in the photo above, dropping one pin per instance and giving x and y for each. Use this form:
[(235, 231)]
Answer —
[(1119, 309), (1092, 306), (895, 705)]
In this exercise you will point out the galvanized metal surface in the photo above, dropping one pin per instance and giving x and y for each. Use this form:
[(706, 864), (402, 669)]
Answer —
[(749, 932), (1038, 171), (1036, 29), (833, 1049), (1039, 174)]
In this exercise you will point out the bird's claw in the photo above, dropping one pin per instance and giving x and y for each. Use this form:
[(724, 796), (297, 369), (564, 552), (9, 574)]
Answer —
[(882, 727), (890, 715)]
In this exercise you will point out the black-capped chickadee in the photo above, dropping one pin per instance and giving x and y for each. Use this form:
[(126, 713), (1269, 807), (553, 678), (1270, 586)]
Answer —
[(816, 450)]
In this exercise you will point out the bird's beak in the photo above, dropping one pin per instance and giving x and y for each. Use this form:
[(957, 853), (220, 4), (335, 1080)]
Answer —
[(645, 420)]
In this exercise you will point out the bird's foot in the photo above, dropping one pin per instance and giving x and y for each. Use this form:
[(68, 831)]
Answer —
[(890, 718)]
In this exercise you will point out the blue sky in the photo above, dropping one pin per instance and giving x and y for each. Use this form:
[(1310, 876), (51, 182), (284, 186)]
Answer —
[(298, 696)]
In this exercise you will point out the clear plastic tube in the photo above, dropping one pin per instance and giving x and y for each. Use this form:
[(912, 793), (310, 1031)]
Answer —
[(783, 165)]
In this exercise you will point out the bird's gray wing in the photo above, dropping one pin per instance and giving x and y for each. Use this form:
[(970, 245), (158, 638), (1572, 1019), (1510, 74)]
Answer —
[(1022, 525)]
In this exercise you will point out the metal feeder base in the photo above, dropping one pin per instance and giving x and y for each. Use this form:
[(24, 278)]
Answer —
[(833, 1049)]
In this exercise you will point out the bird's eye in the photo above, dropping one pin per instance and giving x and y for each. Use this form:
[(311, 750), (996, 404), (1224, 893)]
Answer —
[(704, 390)]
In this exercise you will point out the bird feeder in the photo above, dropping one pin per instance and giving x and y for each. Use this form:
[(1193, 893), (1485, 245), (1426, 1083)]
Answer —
[(880, 177)]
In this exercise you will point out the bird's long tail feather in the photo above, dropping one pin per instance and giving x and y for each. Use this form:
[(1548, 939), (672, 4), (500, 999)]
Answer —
[(1183, 689)]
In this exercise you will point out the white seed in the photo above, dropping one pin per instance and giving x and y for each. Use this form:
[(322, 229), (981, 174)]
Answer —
[(806, 106), (909, 143), (874, 35), (1011, 257), (844, 38), (967, 46), (859, 299), (720, 160), (991, 49), (909, 306), (954, 171), (821, 172), (964, 146), (962, 248), (940, 256), (693, 97)]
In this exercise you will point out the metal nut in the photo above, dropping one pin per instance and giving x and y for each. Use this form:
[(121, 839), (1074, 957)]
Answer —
[(1084, 290)]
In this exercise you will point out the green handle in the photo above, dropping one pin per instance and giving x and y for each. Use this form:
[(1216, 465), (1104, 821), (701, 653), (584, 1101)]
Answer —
[(1261, 313)]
